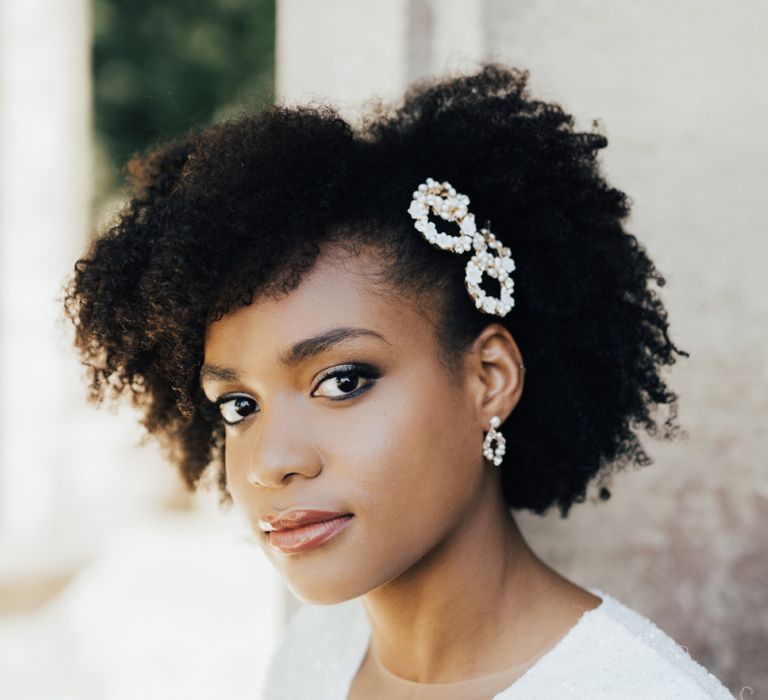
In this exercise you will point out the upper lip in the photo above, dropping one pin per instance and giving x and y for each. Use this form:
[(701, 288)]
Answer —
[(298, 517)]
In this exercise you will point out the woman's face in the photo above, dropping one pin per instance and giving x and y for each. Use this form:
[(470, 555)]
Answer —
[(371, 425)]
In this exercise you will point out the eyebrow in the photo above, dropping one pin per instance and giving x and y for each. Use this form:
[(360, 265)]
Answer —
[(299, 352)]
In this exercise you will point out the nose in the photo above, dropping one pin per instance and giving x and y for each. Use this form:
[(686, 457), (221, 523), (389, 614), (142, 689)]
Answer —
[(278, 450)]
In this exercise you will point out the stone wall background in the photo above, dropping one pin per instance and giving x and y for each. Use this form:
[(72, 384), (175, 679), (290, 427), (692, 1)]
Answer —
[(679, 90), (676, 86)]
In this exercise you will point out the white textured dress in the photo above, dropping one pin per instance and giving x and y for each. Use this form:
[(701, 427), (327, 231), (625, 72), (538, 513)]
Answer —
[(611, 652)]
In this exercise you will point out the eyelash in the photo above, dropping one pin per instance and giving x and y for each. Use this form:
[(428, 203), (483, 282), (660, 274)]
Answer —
[(211, 410)]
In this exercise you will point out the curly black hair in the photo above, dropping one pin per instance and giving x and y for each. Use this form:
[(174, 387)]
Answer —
[(244, 208)]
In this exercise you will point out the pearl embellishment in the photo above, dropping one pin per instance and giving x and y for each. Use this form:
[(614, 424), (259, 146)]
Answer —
[(494, 455)]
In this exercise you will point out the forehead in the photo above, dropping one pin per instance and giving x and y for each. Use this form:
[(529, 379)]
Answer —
[(340, 290)]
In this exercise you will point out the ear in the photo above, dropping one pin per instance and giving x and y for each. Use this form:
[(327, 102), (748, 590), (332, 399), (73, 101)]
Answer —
[(496, 373)]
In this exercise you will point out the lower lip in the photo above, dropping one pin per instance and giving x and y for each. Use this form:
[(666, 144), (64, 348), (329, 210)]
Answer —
[(300, 539)]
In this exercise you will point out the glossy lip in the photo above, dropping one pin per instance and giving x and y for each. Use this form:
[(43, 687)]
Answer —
[(296, 518), (290, 540)]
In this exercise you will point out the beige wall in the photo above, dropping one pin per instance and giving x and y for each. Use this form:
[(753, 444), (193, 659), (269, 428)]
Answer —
[(679, 89)]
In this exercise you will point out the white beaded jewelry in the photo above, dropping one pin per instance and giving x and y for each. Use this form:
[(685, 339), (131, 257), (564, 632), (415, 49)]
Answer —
[(494, 455), (441, 199)]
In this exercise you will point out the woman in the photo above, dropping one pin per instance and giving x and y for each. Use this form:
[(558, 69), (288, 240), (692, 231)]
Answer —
[(380, 367)]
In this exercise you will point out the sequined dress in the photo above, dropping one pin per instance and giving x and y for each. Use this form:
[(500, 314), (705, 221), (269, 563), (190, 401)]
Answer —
[(611, 652)]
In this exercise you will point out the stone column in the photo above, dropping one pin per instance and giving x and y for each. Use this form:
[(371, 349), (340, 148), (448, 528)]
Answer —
[(45, 104)]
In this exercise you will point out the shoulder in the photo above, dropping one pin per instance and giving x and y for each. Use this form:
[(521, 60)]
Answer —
[(615, 651), (321, 647)]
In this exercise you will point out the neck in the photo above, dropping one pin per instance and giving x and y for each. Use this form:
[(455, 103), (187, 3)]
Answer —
[(476, 604)]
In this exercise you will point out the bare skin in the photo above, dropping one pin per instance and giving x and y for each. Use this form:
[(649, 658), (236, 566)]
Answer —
[(450, 588)]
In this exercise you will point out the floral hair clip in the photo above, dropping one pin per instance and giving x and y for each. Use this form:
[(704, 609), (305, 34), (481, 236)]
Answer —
[(441, 199)]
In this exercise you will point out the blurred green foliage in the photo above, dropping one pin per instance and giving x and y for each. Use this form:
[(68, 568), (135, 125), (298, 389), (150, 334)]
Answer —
[(163, 67)]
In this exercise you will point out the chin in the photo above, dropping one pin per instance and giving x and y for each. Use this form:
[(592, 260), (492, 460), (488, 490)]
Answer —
[(313, 594), (332, 588), (331, 582)]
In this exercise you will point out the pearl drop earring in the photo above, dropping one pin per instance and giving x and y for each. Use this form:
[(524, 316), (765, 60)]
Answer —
[(494, 455)]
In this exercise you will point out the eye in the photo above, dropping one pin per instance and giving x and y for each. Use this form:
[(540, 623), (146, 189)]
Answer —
[(234, 409), (345, 382)]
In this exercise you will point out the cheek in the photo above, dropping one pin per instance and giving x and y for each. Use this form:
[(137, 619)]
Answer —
[(421, 469), (234, 460)]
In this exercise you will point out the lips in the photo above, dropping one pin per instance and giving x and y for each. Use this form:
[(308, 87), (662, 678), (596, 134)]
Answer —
[(302, 529), (296, 518), (300, 539)]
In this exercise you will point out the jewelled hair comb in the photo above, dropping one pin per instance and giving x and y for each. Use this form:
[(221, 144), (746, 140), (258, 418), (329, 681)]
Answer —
[(490, 255)]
